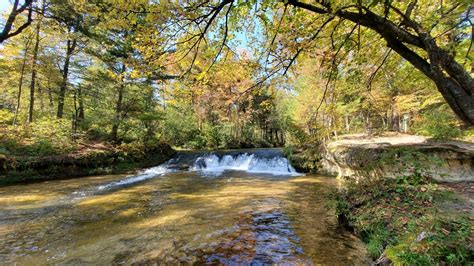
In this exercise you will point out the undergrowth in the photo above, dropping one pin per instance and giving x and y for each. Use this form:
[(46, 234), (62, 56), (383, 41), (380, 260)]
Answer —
[(306, 160), (403, 220)]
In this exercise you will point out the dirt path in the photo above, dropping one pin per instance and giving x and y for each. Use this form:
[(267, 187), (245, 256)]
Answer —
[(396, 139)]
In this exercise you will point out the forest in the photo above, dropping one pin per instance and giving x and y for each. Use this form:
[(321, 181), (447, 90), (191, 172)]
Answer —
[(133, 76), (233, 75)]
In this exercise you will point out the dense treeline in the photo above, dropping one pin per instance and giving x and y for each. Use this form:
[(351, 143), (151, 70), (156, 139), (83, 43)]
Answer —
[(70, 79), (228, 74)]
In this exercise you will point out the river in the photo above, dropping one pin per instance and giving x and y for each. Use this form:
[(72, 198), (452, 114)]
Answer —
[(247, 207)]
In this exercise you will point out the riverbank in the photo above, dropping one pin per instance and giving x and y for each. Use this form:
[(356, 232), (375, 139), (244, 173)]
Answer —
[(409, 220), (88, 158), (358, 155), (407, 197), (392, 154)]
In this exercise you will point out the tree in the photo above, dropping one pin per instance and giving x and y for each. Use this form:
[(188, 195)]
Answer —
[(34, 64), (64, 13), (70, 47), (409, 36), (17, 9), (20, 83)]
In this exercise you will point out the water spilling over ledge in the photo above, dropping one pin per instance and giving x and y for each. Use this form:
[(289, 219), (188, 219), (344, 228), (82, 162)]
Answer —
[(263, 161), (248, 162)]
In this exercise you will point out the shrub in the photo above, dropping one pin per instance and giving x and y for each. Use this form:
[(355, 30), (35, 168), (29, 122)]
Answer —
[(6, 117), (439, 125), (41, 138), (199, 142), (214, 135), (179, 127), (296, 136)]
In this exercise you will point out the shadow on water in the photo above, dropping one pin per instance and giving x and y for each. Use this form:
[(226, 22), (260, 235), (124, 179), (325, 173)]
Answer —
[(180, 217)]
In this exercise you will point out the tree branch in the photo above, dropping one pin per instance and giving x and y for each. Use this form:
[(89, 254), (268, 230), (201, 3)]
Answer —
[(302, 47), (7, 29)]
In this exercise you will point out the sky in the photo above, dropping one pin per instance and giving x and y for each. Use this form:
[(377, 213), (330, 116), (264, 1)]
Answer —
[(4, 5)]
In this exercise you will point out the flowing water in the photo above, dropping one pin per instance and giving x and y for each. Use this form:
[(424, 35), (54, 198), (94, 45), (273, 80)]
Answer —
[(217, 208)]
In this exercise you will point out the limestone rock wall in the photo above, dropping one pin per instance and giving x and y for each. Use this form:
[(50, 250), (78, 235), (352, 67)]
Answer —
[(445, 162)]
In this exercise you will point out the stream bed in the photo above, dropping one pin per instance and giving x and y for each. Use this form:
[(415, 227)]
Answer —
[(246, 207)]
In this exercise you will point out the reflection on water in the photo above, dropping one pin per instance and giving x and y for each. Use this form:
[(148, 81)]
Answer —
[(178, 217)]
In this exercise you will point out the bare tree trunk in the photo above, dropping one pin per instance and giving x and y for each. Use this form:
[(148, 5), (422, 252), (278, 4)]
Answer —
[(399, 124), (33, 71), (20, 84), (149, 126), (81, 115), (456, 88), (118, 115), (347, 124), (50, 95), (395, 116), (74, 116), (118, 107), (71, 45), (40, 90)]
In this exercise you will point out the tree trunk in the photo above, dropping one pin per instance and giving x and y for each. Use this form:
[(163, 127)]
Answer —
[(71, 45), (80, 117), (458, 92), (33, 71), (346, 123), (149, 125), (50, 96), (118, 107), (75, 115), (396, 121), (40, 90), (20, 84)]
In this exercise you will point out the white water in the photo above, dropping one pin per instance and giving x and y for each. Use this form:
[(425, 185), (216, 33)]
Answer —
[(208, 163), (144, 175), (212, 163), (141, 176)]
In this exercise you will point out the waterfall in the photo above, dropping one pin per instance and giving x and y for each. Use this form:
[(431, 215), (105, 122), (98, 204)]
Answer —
[(248, 162), (264, 161)]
